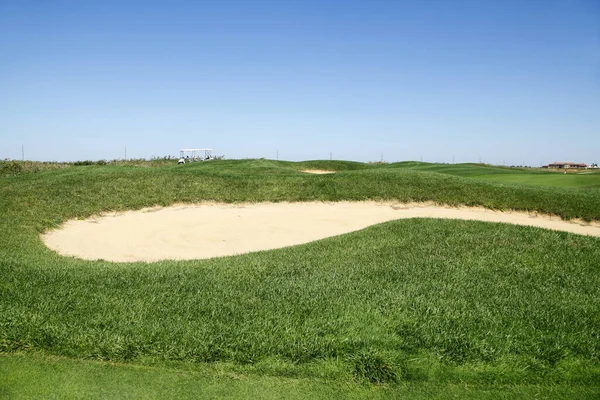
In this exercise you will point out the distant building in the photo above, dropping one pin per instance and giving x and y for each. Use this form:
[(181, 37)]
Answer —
[(565, 165)]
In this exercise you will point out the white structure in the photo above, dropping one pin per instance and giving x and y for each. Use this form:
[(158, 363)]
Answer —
[(190, 155)]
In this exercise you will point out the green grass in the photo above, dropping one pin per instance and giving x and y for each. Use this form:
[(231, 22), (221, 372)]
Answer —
[(16, 167), (466, 169), (35, 376), (527, 176), (412, 307), (570, 180)]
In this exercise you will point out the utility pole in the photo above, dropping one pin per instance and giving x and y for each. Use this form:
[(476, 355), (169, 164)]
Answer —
[(330, 156), (452, 159), (277, 151), (381, 156)]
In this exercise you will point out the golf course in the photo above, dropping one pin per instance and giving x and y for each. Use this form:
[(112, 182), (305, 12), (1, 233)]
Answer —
[(419, 307)]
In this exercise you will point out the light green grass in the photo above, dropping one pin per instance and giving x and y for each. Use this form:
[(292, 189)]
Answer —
[(465, 170), (527, 176), (570, 180), (418, 305), (35, 376)]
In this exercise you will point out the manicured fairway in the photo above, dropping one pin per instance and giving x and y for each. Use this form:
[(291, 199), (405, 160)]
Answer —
[(573, 179), (418, 307), (570, 180)]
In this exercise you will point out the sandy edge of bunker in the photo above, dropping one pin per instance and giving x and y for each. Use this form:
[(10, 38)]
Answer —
[(318, 171)]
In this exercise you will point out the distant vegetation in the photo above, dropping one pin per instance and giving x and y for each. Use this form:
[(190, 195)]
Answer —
[(16, 167)]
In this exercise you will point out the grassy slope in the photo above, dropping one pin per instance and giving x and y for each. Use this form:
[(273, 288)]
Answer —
[(421, 301)]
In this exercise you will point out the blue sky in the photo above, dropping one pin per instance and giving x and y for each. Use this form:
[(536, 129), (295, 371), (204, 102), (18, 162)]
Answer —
[(504, 81)]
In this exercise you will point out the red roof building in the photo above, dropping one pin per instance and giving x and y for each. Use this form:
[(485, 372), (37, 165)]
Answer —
[(561, 165)]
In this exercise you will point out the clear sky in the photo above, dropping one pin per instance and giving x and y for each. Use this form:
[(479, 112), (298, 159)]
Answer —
[(504, 81)]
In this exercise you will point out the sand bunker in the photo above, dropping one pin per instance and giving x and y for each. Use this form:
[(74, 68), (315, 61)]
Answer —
[(210, 230), (318, 171)]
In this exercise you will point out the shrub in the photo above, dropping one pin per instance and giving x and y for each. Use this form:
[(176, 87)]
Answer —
[(10, 168)]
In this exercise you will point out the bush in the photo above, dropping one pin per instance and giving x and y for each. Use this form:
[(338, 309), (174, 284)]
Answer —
[(8, 168), (82, 163)]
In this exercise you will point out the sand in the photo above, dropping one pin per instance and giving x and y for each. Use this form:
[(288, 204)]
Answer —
[(318, 171), (210, 230)]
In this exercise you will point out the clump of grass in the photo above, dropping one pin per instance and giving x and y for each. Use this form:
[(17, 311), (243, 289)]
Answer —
[(373, 368)]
